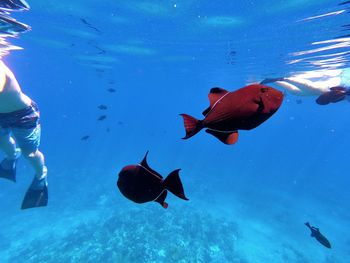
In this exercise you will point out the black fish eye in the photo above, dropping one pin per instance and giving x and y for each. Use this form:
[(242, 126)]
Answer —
[(264, 90)]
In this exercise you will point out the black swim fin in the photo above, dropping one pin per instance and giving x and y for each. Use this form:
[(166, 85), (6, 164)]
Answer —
[(271, 80), (37, 194), (8, 169)]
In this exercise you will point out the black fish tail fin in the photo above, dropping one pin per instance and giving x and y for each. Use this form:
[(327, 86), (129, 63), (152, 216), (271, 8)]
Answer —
[(192, 125), (174, 185), (307, 224)]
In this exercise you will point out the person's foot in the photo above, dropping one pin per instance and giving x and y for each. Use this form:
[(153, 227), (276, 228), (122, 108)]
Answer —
[(8, 169)]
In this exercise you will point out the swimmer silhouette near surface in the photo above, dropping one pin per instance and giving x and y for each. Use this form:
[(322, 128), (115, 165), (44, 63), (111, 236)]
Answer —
[(330, 86)]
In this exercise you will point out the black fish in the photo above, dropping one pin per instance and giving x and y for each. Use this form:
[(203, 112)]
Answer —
[(299, 101), (102, 117), (89, 25), (84, 138), (111, 90), (315, 232), (142, 184), (102, 107)]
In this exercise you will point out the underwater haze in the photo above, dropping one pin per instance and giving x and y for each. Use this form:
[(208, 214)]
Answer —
[(147, 62)]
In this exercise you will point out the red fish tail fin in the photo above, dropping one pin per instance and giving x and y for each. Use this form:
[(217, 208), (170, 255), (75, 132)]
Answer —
[(192, 125), (174, 185)]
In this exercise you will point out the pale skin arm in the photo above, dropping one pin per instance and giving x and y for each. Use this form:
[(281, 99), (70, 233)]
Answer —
[(290, 87), (305, 85)]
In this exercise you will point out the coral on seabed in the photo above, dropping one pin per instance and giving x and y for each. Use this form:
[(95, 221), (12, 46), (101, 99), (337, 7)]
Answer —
[(145, 234)]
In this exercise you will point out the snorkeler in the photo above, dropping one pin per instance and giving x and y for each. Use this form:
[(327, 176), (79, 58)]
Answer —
[(330, 86), (20, 135)]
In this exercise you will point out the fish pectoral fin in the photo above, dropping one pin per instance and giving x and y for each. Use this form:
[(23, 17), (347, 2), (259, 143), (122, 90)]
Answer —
[(225, 137), (161, 199), (216, 94), (261, 105)]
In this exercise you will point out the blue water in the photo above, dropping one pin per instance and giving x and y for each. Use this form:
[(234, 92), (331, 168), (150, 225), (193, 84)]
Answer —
[(248, 202)]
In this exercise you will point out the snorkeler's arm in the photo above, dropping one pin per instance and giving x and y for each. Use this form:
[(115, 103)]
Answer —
[(304, 85), (288, 86)]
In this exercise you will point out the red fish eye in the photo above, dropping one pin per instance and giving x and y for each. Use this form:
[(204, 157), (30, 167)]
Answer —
[(264, 90)]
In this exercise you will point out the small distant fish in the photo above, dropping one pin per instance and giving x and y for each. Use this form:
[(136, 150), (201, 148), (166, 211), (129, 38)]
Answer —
[(243, 109), (108, 129), (89, 25), (111, 90), (141, 184), (102, 107), (299, 101), (315, 232), (102, 117), (84, 138), (231, 57), (120, 123)]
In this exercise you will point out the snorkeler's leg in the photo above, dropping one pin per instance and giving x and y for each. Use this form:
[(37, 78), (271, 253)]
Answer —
[(8, 145), (8, 165), (29, 140), (37, 193), (37, 161)]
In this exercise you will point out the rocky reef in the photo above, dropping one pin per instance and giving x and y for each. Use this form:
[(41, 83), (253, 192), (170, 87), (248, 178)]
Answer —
[(142, 234)]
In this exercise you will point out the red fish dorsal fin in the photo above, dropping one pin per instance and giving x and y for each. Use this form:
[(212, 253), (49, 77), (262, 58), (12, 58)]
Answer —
[(214, 96)]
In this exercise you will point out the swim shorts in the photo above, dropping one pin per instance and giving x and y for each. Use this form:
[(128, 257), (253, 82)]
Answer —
[(24, 125)]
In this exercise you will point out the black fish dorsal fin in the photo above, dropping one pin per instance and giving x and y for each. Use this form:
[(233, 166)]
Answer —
[(145, 165), (215, 95), (144, 160)]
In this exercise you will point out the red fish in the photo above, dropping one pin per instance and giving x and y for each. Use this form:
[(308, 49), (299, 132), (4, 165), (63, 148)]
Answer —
[(243, 109), (141, 184)]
